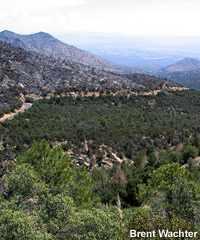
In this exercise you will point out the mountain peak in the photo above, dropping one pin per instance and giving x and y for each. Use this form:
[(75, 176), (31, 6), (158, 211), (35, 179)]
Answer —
[(186, 64), (41, 34), (7, 33), (45, 44), (191, 60)]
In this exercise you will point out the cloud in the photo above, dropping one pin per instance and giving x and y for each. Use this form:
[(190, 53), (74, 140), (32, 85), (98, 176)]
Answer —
[(40, 5), (130, 17), (25, 16)]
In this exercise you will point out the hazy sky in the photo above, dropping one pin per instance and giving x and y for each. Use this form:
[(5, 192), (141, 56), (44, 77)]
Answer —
[(111, 17)]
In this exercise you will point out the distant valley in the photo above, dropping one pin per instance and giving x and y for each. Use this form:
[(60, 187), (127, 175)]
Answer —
[(137, 52), (174, 58)]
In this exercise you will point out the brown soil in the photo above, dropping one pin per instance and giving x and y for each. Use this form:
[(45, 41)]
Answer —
[(5, 116)]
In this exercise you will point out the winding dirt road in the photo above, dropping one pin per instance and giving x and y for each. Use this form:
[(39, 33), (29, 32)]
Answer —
[(11, 115), (28, 105)]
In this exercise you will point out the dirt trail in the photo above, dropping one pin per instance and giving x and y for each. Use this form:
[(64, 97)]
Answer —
[(12, 114), (28, 105)]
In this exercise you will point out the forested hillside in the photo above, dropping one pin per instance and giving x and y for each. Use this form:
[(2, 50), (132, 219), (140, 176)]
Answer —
[(95, 167), (125, 125), (189, 79), (97, 153)]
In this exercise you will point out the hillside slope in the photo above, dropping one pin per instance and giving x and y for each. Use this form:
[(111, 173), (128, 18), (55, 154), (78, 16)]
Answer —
[(187, 64), (188, 79), (36, 72), (45, 44)]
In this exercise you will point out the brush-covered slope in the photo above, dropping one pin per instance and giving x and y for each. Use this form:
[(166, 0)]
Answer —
[(35, 73), (188, 79), (45, 44)]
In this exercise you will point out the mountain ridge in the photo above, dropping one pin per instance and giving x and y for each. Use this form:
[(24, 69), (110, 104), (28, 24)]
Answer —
[(42, 75), (45, 44), (185, 72), (184, 65)]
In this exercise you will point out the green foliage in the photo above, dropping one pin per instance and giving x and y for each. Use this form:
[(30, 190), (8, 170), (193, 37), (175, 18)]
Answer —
[(30, 201), (183, 199), (152, 159), (18, 225), (29, 100), (132, 191), (12, 98), (53, 168), (139, 160), (94, 224), (30, 209), (20, 182), (189, 152), (171, 190), (32, 193), (56, 212), (82, 185), (52, 165), (165, 175), (67, 202), (160, 180), (176, 156), (126, 125)]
